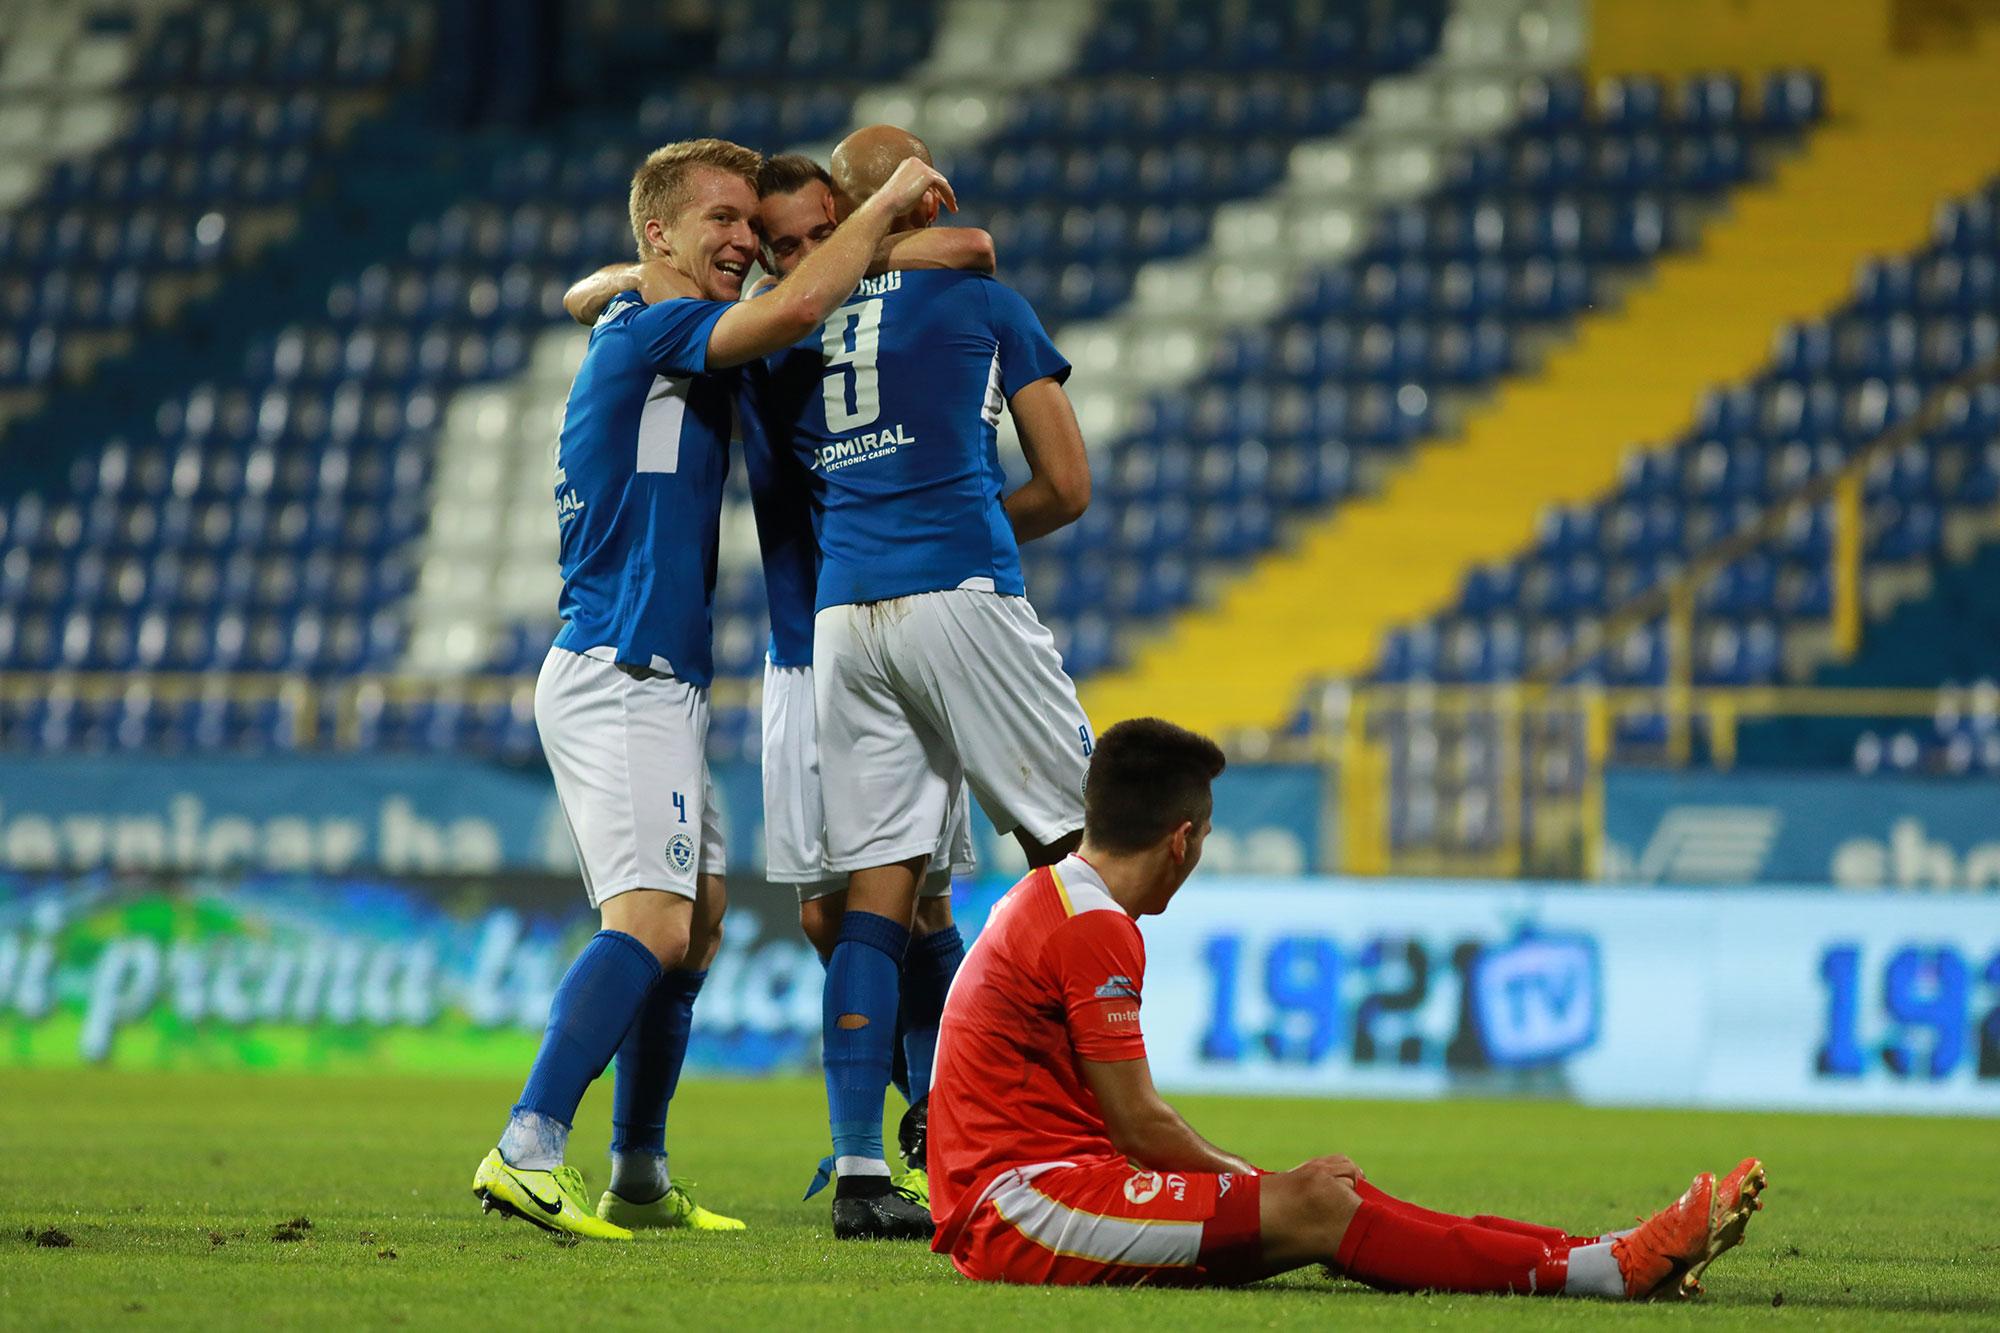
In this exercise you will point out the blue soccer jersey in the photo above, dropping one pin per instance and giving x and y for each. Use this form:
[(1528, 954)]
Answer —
[(782, 503), (891, 408), (639, 475)]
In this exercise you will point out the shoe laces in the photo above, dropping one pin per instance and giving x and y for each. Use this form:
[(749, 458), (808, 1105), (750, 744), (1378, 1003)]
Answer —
[(570, 1181)]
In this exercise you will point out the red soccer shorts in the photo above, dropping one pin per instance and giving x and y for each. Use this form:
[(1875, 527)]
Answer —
[(1067, 1226)]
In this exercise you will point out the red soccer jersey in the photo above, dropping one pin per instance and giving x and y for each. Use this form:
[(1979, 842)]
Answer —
[(1052, 980)]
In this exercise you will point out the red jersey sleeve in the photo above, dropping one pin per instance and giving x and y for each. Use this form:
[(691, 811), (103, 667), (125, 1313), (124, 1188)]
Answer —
[(1099, 964)]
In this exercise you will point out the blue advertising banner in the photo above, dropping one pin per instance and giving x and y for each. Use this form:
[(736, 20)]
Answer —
[(422, 814), (1802, 828), (1701, 997)]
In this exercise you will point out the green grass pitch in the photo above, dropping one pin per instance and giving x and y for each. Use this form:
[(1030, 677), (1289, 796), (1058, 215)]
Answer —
[(175, 1191)]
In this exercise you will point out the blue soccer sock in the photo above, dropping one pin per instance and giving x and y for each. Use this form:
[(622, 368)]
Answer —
[(899, 1072), (649, 1069), (861, 984), (928, 968), (596, 1003)]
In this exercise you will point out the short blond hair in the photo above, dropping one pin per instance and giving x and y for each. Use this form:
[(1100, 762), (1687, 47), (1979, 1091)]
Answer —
[(660, 187)]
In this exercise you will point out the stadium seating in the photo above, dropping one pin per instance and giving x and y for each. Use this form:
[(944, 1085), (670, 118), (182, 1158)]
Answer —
[(176, 145), (1454, 291), (1964, 737), (283, 520), (1914, 326), (1832, 386), (270, 522)]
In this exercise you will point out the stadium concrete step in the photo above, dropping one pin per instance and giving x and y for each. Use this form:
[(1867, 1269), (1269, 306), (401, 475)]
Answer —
[(1905, 134)]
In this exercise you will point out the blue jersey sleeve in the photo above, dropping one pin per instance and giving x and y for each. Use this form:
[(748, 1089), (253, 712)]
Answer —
[(1026, 354), (673, 335), (781, 500)]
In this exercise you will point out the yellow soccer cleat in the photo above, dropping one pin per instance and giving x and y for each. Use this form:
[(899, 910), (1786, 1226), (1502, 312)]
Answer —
[(916, 1183), (675, 1210), (552, 1200)]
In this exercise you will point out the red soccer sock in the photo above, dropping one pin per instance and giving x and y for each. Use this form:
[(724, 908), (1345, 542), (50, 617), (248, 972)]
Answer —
[(1394, 1250), (1555, 1237)]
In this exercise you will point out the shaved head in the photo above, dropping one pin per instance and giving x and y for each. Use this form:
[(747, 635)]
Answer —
[(863, 162)]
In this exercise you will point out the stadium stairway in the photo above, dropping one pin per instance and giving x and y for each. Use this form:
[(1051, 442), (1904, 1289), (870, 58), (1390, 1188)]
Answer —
[(1915, 130)]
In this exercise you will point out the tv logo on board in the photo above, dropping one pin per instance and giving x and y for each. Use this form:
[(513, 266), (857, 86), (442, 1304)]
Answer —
[(1538, 999)]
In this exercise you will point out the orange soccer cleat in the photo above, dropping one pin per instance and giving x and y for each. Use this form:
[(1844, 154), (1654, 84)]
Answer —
[(1737, 1195), (1666, 1254)]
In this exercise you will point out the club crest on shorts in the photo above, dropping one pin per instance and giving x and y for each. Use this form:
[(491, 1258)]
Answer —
[(680, 852), (1143, 1187)]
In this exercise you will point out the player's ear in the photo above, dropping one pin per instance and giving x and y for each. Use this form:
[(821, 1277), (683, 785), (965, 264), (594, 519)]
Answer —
[(656, 239), (1177, 841)]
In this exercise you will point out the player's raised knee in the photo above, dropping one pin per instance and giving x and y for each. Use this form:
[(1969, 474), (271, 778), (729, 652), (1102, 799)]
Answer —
[(1328, 1188), (1304, 1212)]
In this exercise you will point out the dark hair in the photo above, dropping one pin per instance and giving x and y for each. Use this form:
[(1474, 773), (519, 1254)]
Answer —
[(1147, 778), (788, 172)]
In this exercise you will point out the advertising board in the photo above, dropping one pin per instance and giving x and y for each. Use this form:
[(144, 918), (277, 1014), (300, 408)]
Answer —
[(1714, 997), (1852, 831)]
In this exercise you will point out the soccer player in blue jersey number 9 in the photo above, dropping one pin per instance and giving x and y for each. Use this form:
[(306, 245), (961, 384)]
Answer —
[(930, 667), (796, 214), (622, 701)]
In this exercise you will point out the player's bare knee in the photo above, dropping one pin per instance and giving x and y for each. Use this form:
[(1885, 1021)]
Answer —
[(703, 945), (1327, 1197), (933, 914), (711, 906), (661, 921), (821, 933), (1338, 1201), (889, 891)]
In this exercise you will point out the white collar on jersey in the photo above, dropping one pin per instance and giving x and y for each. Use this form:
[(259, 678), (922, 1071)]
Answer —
[(1082, 888)]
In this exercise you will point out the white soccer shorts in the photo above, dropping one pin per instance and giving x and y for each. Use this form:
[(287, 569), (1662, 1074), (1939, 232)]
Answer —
[(628, 751), (794, 811), (915, 693)]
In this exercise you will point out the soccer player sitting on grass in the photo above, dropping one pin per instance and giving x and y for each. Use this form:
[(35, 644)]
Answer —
[(1054, 1161)]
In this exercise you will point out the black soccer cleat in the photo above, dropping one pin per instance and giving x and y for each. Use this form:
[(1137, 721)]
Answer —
[(866, 1210), (912, 1133)]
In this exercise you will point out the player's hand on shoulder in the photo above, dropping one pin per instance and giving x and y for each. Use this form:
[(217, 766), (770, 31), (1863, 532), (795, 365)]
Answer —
[(911, 182)]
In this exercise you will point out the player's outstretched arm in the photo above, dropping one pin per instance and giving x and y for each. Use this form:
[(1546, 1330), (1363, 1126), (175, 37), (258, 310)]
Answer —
[(1058, 486), (801, 303), (966, 249), (653, 279), (1146, 1129)]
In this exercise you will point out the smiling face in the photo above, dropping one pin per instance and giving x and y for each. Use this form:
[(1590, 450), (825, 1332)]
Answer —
[(711, 239), (793, 225)]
